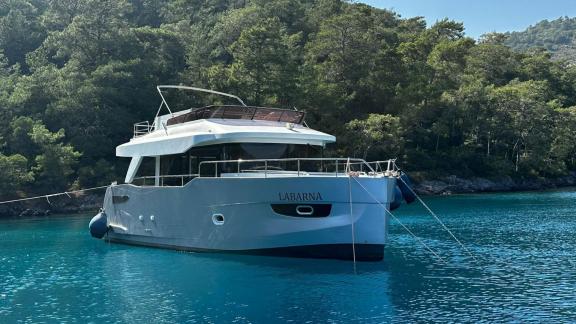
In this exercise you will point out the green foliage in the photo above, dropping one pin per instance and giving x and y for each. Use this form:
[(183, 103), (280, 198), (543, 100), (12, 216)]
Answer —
[(20, 29), (36, 154), (56, 161), (264, 64), (386, 86), (381, 133), (557, 36), (14, 173)]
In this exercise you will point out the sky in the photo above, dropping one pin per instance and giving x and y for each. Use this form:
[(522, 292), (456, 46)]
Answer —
[(482, 16)]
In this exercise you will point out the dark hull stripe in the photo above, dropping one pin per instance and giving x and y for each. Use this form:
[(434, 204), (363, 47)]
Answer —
[(364, 252)]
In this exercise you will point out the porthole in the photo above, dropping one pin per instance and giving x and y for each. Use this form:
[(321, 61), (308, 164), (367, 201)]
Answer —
[(218, 219)]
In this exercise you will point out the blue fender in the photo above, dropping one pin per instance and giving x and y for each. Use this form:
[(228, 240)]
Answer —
[(98, 225), (397, 200), (405, 186)]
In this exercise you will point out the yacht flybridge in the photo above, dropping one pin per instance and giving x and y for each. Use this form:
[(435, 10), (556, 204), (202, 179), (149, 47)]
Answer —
[(244, 179)]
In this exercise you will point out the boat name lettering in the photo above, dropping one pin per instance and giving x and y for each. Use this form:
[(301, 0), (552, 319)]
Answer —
[(300, 196)]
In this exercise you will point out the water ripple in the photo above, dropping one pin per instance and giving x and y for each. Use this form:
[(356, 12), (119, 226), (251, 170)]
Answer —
[(525, 246)]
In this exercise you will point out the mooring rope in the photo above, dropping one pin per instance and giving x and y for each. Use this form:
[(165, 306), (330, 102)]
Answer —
[(402, 224), (439, 220), (47, 197), (351, 214)]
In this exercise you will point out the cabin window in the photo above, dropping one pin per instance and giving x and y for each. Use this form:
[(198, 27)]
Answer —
[(145, 173), (174, 164), (271, 152), (178, 169), (253, 151)]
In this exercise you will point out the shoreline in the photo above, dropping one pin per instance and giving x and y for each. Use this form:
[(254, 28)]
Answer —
[(73, 204), (449, 185), (455, 185)]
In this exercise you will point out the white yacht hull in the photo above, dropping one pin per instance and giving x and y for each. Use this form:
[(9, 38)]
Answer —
[(256, 216)]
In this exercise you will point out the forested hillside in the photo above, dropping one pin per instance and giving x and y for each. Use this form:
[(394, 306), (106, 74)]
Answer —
[(76, 74), (557, 36)]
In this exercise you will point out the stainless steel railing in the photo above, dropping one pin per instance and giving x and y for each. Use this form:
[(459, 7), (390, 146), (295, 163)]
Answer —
[(184, 178), (294, 167), (385, 166), (143, 128)]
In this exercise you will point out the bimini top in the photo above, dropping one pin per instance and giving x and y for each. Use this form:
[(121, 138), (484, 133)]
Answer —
[(176, 133)]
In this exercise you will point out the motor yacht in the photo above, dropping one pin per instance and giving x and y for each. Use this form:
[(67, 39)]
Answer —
[(242, 179)]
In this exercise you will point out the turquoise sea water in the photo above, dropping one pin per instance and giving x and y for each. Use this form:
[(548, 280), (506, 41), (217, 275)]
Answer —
[(52, 271)]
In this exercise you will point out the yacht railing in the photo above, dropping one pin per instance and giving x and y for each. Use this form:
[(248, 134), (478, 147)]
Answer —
[(264, 168), (179, 180), (290, 166), (142, 128), (387, 167)]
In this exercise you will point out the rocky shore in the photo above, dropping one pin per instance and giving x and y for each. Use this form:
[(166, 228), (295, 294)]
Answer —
[(73, 204), (91, 203), (455, 185)]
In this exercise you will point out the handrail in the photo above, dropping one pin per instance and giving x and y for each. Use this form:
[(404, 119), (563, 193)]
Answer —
[(390, 165), (181, 176), (298, 172), (298, 160), (142, 128)]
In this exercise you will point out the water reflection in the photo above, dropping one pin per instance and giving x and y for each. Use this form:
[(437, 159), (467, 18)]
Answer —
[(223, 287)]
